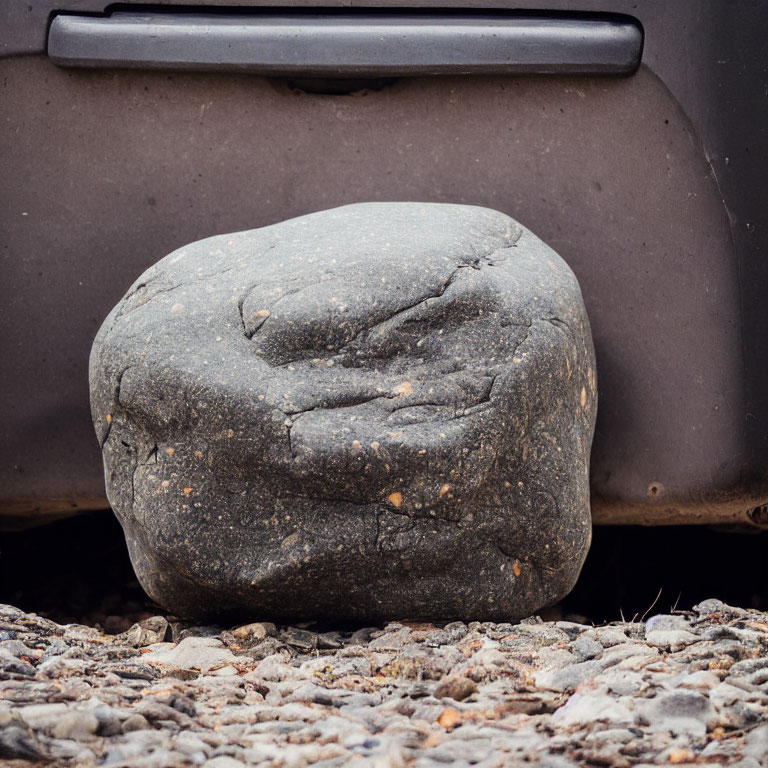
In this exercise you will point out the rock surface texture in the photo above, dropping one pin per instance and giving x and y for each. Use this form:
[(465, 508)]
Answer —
[(552, 694), (377, 411)]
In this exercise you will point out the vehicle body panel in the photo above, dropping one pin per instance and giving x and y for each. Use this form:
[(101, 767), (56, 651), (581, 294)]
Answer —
[(651, 187)]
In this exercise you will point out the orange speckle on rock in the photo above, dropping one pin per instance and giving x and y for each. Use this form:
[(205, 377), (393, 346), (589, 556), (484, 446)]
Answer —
[(677, 756), (395, 499), (187, 491), (403, 390), (583, 397), (516, 569), (170, 451), (446, 489), (263, 313), (109, 418), (449, 717), (357, 446), (199, 454)]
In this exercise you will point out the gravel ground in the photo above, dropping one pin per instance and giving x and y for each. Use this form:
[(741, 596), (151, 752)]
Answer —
[(688, 688)]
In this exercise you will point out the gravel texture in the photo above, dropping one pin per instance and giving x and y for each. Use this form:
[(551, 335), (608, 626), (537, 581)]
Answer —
[(684, 689)]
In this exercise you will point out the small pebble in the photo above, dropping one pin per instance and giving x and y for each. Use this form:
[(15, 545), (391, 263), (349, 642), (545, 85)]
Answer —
[(587, 648), (458, 688), (135, 723)]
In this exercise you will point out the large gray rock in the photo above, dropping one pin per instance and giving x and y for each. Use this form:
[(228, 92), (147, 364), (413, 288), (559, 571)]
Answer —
[(374, 411)]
